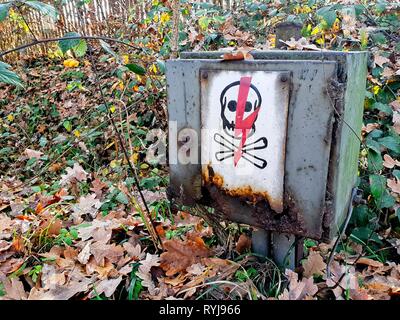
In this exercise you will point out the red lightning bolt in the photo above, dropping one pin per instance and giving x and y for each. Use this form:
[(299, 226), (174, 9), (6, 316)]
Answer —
[(243, 126)]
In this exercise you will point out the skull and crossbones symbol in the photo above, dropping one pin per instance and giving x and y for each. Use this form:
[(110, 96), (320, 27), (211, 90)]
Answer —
[(240, 104)]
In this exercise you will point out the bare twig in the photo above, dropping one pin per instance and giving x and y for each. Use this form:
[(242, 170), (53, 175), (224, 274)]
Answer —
[(156, 239), (47, 40), (175, 30)]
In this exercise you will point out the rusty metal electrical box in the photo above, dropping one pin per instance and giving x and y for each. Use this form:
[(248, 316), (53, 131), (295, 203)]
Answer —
[(271, 142)]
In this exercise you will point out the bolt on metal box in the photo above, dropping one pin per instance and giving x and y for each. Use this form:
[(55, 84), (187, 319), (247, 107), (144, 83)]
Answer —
[(271, 142)]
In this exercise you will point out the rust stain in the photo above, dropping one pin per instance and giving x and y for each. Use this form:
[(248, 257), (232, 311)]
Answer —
[(245, 193)]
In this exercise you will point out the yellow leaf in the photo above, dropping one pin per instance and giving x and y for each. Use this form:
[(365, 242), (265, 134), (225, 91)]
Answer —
[(114, 164), (112, 109), (71, 63), (272, 40), (135, 158), (315, 31), (125, 58), (165, 17), (320, 41), (153, 68), (336, 25)]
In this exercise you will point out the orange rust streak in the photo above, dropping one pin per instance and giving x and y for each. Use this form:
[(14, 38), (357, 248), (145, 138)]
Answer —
[(245, 192)]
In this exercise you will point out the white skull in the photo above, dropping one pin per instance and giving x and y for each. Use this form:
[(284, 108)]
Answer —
[(228, 100)]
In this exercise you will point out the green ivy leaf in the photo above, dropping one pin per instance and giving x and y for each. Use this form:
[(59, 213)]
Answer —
[(81, 48), (363, 234), (391, 143), (387, 201), (383, 107), (8, 76), (69, 44), (375, 161), (4, 9), (136, 69), (396, 173), (67, 125), (45, 8), (377, 186), (373, 145), (328, 14), (122, 198)]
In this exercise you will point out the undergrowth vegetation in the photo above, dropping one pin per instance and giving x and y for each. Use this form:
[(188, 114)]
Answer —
[(72, 222)]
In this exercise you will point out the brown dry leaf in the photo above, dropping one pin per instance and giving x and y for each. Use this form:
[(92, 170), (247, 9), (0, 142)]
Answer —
[(395, 105), (107, 287), (33, 154), (84, 255), (6, 225), (388, 72), (370, 127), (394, 185), (396, 121), (14, 288), (370, 262), (380, 60), (300, 44), (181, 255), (86, 205), (196, 269), (238, 55), (101, 250), (243, 244), (73, 174), (144, 271), (99, 230), (346, 275), (133, 251), (97, 187), (360, 294), (298, 290), (18, 244), (60, 292), (51, 277), (55, 167), (11, 265), (389, 162), (314, 265), (4, 245)]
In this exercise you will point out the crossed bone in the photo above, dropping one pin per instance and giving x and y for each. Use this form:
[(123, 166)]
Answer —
[(261, 143)]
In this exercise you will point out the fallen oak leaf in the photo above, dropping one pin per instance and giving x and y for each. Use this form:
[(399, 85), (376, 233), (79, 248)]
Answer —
[(107, 287), (370, 127), (235, 56), (380, 60), (74, 173), (298, 290), (369, 262), (144, 270), (389, 162), (181, 255), (33, 154), (394, 185), (314, 265), (243, 244)]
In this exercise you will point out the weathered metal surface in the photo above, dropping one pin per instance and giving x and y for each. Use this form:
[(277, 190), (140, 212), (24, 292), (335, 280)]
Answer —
[(312, 197), (344, 158), (244, 123)]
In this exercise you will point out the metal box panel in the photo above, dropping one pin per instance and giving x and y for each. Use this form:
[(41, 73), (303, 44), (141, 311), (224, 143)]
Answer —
[(243, 138), (309, 135)]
